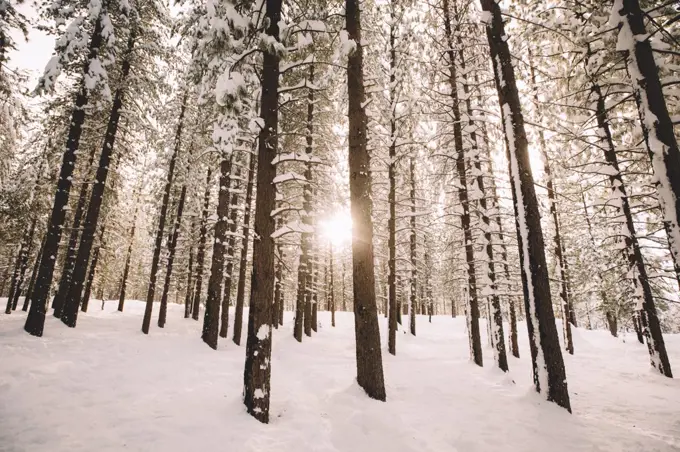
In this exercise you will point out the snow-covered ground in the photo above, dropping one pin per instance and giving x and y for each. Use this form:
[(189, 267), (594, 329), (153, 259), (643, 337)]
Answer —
[(104, 386)]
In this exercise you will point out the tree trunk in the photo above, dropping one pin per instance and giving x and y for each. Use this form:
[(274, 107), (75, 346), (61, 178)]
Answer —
[(278, 285), (558, 245), (172, 247), (257, 373), (74, 234), (657, 127), (128, 257), (211, 318), (93, 270), (34, 274), (74, 294), (20, 267), (368, 351), (638, 327), (243, 263), (200, 255), (233, 218), (413, 292), (331, 287), (473, 314), (5, 275), (35, 321), (187, 297), (548, 365), (158, 245), (495, 314), (636, 265)]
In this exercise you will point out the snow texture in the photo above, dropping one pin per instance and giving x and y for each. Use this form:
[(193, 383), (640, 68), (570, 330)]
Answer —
[(106, 387)]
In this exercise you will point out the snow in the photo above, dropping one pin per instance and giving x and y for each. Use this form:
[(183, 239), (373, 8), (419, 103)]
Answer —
[(105, 386)]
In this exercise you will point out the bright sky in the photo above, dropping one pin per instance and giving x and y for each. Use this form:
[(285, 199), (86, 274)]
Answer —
[(31, 56)]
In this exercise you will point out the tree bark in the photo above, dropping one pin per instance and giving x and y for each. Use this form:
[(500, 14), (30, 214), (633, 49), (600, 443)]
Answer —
[(413, 241), (74, 294), (558, 245), (172, 248), (657, 127), (35, 321), (187, 297), (211, 318), (200, 254), (331, 287), (243, 263), (93, 270), (473, 312), (231, 247), (368, 352), (20, 268), (257, 373), (548, 365), (158, 245), (74, 234), (128, 257), (636, 264), (34, 274)]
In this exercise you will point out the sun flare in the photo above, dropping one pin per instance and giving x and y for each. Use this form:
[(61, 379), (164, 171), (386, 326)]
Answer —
[(337, 228)]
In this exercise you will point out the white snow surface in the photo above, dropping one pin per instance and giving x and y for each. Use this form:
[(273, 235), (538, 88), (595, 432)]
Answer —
[(105, 386)]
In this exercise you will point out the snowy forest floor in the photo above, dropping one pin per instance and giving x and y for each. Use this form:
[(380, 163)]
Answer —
[(104, 386)]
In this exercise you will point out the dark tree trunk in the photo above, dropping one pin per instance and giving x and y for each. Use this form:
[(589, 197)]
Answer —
[(657, 127), (243, 263), (637, 325), (657, 347), (93, 270), (74, 234), (558, 245), (158, 245), (211, 318), (278, 285), (257, 373), (172, 248), (392, 196), (493, 300), (187, 297), (612, 323), (548, 365), (473, 311), (6, 273), (413, 240), (307, 237), (331, 287), (231, 248), (368, 351), (74, 294), (35, 321), (34, 274), (20, 267), (200, 254), (128, 257)]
